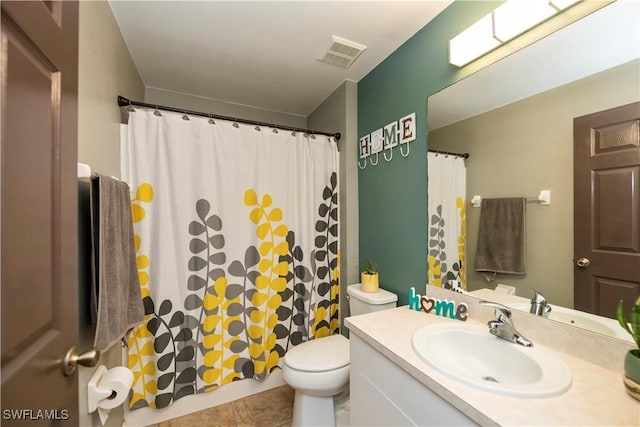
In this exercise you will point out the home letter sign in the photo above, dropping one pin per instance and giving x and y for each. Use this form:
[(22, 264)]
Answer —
[(442, 307), (401, 131)]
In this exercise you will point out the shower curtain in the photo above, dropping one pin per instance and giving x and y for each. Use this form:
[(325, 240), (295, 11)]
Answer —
[(447, 221), (236, 234)]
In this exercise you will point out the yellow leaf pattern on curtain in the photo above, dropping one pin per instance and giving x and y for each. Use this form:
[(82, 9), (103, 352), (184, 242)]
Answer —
[(462, 241), (446, 259), (237, 251), (140, 341), (266, 299), (228, 330)]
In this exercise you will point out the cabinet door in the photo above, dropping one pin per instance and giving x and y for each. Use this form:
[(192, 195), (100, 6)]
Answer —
[(384, 394)]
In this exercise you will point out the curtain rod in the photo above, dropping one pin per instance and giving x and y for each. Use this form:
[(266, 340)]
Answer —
[(463, 155), (124, 102)]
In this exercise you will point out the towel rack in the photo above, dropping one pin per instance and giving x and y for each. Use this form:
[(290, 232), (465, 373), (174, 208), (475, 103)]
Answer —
[(544, 199), (84, 170)]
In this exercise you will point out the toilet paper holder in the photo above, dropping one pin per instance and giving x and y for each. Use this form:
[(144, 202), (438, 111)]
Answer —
[(108, 389), (94, 392)]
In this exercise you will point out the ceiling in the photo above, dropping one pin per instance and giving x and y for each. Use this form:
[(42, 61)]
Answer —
[(262, 53)]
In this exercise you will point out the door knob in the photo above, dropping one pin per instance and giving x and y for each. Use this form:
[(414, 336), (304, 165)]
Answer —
[(583, 262), (72, 359)]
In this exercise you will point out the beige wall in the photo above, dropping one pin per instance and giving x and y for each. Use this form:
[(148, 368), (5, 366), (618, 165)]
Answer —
[(526, 147), (208, 105), (105, 71), (339, 113)]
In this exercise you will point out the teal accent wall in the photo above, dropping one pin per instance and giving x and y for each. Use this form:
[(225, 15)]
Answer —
[(392, 196)]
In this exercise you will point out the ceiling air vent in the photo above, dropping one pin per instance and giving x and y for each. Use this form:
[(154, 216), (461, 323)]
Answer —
[(343, 52)]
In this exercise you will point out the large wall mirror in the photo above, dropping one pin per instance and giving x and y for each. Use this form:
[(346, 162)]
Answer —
[(515, 119)]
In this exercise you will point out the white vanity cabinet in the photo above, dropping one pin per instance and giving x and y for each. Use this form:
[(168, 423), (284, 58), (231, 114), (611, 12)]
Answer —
[(383, 394)]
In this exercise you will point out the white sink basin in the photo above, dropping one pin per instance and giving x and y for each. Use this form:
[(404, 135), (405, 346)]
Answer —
[(469, 353), (591, 322)]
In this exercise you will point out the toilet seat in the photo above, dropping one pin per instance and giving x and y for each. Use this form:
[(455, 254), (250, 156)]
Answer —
[(319, 355)]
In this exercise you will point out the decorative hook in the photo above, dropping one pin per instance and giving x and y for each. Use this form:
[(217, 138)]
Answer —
[(384, 153), (371, 161), (365, 164), (408, 149)]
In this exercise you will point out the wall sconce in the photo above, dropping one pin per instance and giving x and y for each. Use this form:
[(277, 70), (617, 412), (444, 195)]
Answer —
[(506, 22)]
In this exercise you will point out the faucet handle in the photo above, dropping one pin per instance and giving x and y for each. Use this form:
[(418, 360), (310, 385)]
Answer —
[(503, 309), (538, 297), (539, 304)]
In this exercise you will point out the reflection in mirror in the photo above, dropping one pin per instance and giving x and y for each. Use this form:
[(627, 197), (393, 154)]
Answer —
[(519, 148)]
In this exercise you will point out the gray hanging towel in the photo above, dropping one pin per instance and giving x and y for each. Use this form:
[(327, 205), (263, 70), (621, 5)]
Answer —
[(116, 288), (501, 236)]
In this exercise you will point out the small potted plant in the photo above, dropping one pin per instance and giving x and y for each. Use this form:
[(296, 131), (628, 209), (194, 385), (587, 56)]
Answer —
[(369, 277), (632, 358)]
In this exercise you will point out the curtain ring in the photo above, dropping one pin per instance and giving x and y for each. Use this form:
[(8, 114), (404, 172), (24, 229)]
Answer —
[(365, 164), (384, 153), (408, 149)]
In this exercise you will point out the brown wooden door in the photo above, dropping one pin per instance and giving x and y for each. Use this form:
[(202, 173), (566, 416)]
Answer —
[(607, 209), (38, 217)]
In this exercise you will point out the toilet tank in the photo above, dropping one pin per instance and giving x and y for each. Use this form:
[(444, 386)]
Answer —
[(361, 302)]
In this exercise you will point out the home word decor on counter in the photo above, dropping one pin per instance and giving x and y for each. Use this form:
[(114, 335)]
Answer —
[(442, 307)]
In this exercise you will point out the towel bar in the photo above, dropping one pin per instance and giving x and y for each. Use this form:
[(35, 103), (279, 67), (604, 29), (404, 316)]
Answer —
[(544, 199), (84, 170)]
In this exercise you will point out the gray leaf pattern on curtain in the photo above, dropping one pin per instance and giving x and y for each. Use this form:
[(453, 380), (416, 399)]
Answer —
[(213, 339)]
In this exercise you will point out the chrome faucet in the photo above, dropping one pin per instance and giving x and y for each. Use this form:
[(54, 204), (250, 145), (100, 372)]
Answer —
[(539, 305), (503, 326)]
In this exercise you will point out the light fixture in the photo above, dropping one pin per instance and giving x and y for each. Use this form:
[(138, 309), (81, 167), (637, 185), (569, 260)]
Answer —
[(473, 42), (515, 17), (506, 22)]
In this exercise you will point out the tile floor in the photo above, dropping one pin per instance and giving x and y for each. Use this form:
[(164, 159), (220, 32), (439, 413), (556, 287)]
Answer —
[(271, 408)]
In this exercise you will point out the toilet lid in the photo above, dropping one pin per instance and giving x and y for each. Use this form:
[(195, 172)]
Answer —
[(374, 298), (319, 355)]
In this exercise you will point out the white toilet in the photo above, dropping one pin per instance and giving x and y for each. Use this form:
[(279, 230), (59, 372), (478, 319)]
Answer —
[(318, 370)]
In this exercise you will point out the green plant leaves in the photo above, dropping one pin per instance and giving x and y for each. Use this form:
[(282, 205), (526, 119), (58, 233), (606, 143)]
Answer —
[(633, 326)]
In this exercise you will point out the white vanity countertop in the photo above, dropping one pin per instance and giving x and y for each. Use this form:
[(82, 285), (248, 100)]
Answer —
[(596, 397)]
